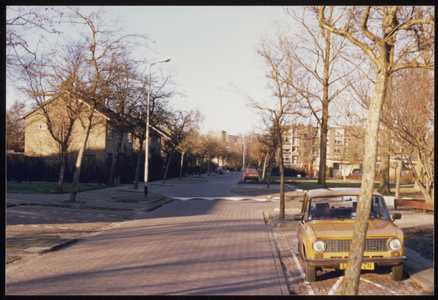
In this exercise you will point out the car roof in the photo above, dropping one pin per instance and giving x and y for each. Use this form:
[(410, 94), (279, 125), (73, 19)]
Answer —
[(337, 192)]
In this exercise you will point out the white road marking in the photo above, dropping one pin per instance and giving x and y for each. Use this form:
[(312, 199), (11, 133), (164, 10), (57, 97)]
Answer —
[(303, 275), (378, 285), (335, 287), (233, 198)]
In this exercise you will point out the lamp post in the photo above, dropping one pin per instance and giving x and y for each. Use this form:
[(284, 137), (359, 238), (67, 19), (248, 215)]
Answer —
[(146, 150)]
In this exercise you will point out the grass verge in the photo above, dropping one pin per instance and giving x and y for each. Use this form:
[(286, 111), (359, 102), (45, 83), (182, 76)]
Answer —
[(46, 187)]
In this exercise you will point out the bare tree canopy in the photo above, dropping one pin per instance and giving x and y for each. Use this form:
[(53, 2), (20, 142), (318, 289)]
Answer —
[(394, 38)]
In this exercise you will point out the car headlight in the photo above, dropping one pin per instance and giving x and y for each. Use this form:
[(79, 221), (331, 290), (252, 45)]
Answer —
[(395, 244), (319, 246)]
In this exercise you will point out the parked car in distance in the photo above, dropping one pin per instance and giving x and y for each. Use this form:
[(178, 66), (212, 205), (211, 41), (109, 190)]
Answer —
[(356, 175), (250, 174), (219, 170), (325, 231)]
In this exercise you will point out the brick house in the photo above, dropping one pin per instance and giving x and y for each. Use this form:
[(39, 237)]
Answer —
[(101, 143)]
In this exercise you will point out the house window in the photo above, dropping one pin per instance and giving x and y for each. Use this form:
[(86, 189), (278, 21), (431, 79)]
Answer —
[(42, 126), (129, 137), (294, 160), (109, 133), (89, 160), (306, 136)]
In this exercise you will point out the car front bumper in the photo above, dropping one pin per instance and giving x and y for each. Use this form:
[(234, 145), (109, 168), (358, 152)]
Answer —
[(380, 261)]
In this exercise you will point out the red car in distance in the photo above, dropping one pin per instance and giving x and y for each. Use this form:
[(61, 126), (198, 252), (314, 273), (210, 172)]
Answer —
[(250, 174)]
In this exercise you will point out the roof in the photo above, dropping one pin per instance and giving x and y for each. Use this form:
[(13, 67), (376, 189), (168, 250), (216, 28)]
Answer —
[(160, 132), (103, 112), (337, 192)]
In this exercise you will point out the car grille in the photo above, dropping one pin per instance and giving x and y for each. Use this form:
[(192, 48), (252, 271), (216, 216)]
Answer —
[(371, 245)]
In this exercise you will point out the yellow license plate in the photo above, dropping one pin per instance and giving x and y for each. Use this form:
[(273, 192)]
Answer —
[(364, 266)]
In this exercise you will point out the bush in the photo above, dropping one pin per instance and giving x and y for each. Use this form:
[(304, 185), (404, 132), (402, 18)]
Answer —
[(290, 172), (406, 178)]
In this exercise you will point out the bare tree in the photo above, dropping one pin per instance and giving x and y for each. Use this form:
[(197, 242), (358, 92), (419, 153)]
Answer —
[(42, 77), (181, 124), (376, 31), (410, 118), (320, 60), (22, 23), (15, 127), (277, 112), (161, 91)]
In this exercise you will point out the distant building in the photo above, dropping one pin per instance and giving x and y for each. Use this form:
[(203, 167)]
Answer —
[(301, 149), (219, 135)]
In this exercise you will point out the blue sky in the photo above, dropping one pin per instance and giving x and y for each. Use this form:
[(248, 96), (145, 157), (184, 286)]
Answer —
[(210, 47)]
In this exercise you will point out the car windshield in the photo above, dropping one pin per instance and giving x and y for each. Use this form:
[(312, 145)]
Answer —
[(251, 171), (343, 207)]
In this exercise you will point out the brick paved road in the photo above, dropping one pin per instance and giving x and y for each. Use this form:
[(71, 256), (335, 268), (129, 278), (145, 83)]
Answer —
[(71, 222), (377, 282), (192, 247)]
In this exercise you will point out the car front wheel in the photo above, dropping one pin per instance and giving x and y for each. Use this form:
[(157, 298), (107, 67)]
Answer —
[(310, 272), (397, 272)]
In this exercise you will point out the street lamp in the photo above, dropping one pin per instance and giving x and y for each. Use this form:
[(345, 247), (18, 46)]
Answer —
[(146, 150)]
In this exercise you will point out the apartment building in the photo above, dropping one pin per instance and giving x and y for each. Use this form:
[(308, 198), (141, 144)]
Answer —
[(301, 149)]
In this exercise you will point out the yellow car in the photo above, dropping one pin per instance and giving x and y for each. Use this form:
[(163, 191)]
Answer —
[(325, 230)]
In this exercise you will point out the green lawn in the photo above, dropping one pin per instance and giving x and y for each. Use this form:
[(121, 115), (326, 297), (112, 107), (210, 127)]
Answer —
[(310, 183), (46, 188)]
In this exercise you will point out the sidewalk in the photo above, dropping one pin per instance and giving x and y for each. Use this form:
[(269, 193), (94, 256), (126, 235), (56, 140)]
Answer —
[(120, 198), (420, 269)]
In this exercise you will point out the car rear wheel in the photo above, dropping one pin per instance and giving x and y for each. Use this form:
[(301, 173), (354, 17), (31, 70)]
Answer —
[(397, 272), (310, 272)]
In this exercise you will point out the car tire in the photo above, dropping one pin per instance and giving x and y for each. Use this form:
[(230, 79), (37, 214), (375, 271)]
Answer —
[(397, 272), (310, 272), (300, 251)]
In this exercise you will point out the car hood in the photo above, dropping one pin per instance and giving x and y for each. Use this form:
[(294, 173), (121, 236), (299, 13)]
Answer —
[(344, 229)]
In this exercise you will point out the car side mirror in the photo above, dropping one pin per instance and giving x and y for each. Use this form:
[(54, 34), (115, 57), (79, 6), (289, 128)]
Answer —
[(396, 216), (298, 217)]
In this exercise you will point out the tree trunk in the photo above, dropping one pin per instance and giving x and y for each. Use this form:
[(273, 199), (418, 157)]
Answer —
[(352, 272), (419, 170), (200, 166), (281, 169), (384, 174), (62, 170), (271, 158), (168, 164), (384, 166), (264, 168), (138, 166), (323, 148), (182, 164), (398, 174), (74, 185), (114, 160)]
